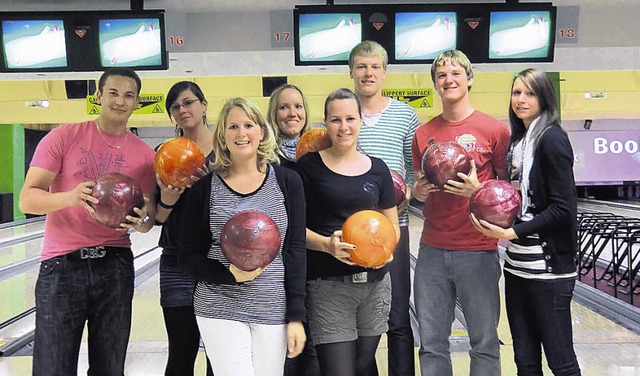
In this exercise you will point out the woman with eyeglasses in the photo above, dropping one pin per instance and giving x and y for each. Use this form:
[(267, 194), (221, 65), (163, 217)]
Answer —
[(187, 106)]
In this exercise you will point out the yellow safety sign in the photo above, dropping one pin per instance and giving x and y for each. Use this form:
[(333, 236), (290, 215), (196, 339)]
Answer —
[(416, 98), (149, 104)]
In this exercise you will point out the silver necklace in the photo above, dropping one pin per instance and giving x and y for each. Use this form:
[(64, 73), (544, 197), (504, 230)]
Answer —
[(108, 144)]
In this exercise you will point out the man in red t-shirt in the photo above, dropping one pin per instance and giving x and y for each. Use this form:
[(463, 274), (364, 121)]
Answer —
[(455, 261)]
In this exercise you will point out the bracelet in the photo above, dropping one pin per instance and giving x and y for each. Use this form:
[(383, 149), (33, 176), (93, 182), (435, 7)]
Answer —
[(163, 205)]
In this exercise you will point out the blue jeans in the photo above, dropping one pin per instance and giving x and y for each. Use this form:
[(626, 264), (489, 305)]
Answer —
[(471, 277), (539, 314), (70, 292)]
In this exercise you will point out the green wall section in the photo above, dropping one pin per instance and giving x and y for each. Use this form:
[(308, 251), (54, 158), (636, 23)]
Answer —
[(12, 162), (18, 169), (555, 79)]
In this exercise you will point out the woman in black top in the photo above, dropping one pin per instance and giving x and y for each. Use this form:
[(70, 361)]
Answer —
[(540, 264), (348, 304), (248, 319), (288, 115), (186, 105)]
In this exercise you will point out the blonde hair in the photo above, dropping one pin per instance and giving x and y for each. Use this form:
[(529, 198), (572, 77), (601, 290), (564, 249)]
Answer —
[(266, 148), (273, 111), (368, 48), (455, 57)]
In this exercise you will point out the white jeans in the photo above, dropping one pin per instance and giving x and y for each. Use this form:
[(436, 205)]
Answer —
[(237, 348)]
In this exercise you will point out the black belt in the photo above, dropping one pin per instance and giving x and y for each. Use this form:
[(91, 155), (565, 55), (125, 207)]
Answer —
[(97, 252), (362, 277)]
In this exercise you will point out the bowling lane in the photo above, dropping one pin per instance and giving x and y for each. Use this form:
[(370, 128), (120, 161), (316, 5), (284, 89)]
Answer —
[(20, 252), (18, 290), (17, 293), (12, 230)]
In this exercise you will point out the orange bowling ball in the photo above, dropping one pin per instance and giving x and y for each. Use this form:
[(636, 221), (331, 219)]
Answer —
[(176, 160), (373, 235), (315, 139)]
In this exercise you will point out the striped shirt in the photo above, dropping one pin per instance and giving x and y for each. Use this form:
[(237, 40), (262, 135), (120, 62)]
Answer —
[(262, 300), (388, 135)]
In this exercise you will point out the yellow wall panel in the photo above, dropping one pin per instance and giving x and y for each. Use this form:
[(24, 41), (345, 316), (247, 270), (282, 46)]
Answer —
[(321, 84), (56, 90), (600, 81), (490, 94), (230, 86), (621, 105), (24, 90)]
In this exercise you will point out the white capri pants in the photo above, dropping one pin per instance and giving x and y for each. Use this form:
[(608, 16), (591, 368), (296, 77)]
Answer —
[(237, 348)]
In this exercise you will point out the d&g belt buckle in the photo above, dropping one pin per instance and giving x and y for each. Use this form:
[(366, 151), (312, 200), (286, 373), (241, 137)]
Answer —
[(359, 277), (93, 252)]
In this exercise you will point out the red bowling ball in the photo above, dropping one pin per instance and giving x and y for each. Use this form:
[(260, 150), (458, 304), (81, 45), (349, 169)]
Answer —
[(250, 240), (118, 194), (443, 160), (177, 160), (373, 235), (315, 139), (496, 202), (399, 185)]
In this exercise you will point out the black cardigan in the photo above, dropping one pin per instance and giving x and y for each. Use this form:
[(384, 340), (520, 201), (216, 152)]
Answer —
[(553, 196), (196, 238)]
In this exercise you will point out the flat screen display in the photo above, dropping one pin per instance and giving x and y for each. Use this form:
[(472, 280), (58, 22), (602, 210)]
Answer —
[(327, 37), (423, 35), (34, 44), (521, 35), (130, 42)]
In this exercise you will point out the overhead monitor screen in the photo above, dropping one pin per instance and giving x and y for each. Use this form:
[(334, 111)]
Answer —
[(423, 35), (520, 35), (130, 42), (34, 44), (328, 37)]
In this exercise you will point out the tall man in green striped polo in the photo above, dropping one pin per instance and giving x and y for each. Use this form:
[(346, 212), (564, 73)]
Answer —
[(387, 133)]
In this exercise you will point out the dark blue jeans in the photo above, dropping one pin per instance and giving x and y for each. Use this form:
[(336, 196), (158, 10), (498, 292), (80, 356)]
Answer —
[(539, 314), (401, 356), (70, 292)]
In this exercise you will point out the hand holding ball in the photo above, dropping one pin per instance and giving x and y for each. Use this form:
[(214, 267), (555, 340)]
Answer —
[(177, 160), (443, 160), (496, 202), (373, 235), (250, 240), (118, 194)]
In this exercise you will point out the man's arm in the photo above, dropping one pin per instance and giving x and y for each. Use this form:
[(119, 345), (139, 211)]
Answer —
[(35, 197)]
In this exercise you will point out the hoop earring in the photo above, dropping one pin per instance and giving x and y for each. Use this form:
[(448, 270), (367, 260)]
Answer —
[(178, 131), (204, 119)]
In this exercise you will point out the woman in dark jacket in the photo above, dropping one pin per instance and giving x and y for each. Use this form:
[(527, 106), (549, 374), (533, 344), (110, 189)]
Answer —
[(540, 267), (250, 321)]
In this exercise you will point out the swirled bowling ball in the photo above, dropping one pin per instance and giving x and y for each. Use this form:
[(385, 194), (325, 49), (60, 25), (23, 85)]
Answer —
[(399, 185), (443, 160), (315, 139), (250, 240), (496, 202), (373, 235), (176, 160), (118, 194)]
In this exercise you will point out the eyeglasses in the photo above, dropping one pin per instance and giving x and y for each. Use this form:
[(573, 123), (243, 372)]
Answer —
[(186, 104)]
